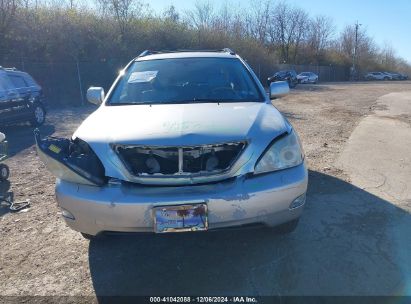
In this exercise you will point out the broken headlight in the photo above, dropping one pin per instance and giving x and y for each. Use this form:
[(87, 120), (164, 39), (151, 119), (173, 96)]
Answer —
[(284, 152), (70, 160)]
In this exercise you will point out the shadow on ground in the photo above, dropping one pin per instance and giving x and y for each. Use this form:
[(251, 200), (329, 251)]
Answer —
[(4, 194), (348, 242), (21, 137), (313, 87)]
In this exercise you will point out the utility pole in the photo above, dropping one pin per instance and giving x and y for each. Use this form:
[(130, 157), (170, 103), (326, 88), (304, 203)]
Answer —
[(354, 57)]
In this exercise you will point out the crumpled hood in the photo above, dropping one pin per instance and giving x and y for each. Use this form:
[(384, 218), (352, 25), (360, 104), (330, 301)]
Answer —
[(180, 125)]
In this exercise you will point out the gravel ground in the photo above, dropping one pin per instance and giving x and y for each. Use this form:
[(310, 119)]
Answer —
[(41, 256)]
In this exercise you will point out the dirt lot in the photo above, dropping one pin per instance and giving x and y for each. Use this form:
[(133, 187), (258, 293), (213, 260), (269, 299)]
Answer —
[(342, 246)]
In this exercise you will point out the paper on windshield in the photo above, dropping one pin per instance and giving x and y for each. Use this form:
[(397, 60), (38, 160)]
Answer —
[(145, 76)]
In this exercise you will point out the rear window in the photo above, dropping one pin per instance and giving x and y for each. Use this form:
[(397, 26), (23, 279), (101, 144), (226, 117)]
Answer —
[(30, 81)]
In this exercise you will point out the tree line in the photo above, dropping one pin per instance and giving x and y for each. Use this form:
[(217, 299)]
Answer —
[(265, 32)]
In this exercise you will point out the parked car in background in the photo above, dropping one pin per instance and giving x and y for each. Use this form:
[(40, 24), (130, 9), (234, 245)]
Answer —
[(184, 141), (403, 76), (21, 98), (290, 76), (394, 76), (388, 75), (377, 76), (307, 77)]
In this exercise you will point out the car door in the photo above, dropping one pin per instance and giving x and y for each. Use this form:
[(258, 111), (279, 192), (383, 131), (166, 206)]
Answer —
[(21, 106), (311, 77), (9, 101), (3, 98)]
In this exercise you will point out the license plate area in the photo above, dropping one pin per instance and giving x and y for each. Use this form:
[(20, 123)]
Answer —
[(180, 218)]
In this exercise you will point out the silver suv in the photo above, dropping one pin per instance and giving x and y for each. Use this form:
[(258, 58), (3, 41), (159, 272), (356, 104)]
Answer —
[(183, 141)]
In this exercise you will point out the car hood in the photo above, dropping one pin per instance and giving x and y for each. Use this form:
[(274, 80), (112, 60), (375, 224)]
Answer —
[(257, 123)]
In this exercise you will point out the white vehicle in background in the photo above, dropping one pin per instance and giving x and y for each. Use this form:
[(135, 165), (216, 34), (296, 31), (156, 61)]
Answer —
[(378, 76), (394, 76), (307, 77)]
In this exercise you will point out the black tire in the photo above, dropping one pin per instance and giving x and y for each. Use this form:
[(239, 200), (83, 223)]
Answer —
[(285, 228), (4, 172), (38, 116), (87, 236), (386, 78)]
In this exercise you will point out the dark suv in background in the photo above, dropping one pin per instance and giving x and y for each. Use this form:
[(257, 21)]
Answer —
[(21, 98), (290, 76)]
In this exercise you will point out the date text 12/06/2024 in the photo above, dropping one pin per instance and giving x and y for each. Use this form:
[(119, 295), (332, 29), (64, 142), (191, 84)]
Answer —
[(240, 299)]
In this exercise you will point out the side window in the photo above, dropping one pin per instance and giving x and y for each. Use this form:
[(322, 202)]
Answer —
[(18, 81), (2, 86), (5, 83)]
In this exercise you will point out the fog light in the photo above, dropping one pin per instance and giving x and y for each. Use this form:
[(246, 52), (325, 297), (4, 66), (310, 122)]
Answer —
[(67, 214), (299, 201)]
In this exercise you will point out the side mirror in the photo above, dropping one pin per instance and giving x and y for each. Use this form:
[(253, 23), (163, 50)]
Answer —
[(279, 89), (95, 95)]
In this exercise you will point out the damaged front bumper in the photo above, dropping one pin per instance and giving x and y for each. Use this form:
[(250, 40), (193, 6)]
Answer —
[(125, 207), (91, 204)]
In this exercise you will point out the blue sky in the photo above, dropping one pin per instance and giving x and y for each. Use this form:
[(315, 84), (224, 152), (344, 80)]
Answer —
[(385, 21)]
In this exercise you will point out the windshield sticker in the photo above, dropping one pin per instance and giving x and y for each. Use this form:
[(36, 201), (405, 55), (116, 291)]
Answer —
[(145, 76)]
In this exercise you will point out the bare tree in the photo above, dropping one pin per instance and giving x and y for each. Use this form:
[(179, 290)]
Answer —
[(320, 31), (366, 48), (8, 9), (124, 11), (258, 20), (171, 14), (288, 29), (201, 17)]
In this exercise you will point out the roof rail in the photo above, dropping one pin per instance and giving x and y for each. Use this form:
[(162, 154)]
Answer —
[(148, 52), (8, 69)]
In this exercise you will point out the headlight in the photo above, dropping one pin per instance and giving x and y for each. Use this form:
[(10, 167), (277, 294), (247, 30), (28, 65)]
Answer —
[(284, 152), (70, 160)]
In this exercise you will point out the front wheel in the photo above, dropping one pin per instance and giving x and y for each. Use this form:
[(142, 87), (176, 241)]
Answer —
[(39, 116), (4, 172)]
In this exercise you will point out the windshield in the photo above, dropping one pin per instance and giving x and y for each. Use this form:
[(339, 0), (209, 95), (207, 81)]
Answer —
[(184, 80)]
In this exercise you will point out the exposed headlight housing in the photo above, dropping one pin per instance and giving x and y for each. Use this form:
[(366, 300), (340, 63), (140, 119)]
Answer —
[(284, 152), (71, 160)]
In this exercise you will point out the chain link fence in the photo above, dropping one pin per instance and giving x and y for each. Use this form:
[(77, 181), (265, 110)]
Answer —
[(66, 82)]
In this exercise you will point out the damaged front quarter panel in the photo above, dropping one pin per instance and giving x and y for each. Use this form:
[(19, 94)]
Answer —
[(70, 160)]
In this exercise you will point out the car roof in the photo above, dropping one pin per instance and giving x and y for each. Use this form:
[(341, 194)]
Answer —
[(186, 54)]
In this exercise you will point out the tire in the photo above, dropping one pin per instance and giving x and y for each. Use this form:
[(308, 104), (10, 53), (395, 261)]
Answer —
[(4, 172), (285, 228), (87, 236), (386, 78), (39, 115)]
